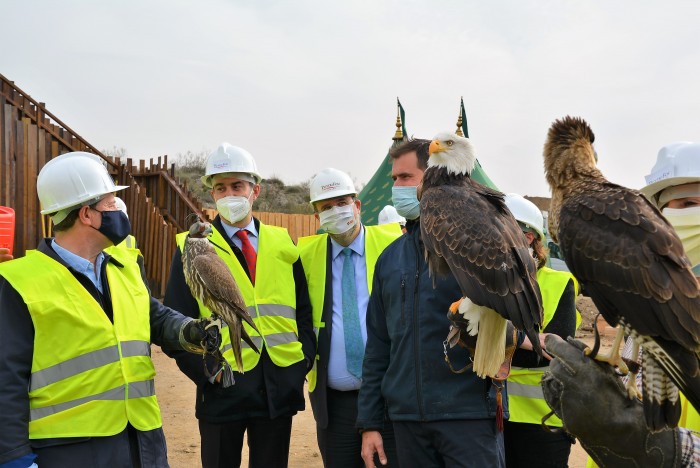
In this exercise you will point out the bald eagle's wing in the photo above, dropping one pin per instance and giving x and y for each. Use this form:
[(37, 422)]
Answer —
[(471, 230), (635, 269)]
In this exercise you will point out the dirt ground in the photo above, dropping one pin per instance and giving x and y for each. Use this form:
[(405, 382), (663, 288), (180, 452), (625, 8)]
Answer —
[(176, 395)]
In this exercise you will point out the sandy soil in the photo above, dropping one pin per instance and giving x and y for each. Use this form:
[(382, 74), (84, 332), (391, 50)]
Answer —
[(176, 395)]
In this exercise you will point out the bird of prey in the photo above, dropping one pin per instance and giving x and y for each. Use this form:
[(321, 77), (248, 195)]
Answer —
[(212, 283), (634, 268), (467, 229)]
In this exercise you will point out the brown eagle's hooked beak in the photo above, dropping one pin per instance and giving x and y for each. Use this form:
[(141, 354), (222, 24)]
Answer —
[(435, 147)]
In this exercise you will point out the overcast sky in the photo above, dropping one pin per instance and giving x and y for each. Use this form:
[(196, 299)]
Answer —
[(305, 85)]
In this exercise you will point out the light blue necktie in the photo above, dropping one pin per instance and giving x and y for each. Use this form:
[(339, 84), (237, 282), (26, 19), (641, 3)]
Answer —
[(354, 346)]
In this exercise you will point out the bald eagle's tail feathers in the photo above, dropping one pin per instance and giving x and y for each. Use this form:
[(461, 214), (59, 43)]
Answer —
[(667, 368)]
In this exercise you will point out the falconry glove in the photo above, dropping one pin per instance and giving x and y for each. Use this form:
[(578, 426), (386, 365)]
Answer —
[(199, 336), (592, 402)]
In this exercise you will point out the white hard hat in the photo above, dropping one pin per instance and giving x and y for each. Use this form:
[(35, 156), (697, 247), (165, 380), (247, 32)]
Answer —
[(390, 215), (330, 183), (121, 205), (676, 164), (526, 213), (72, 180), (231, 159)]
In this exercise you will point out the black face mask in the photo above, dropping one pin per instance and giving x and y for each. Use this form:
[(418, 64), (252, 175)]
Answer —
[(115, 225)]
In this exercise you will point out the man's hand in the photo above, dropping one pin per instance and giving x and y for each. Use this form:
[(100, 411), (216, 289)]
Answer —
[(372, 443), (5, 255), (592, 402)]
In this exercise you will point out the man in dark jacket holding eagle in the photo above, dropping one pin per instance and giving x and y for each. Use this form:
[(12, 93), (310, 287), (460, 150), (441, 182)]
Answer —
[(439, 417)]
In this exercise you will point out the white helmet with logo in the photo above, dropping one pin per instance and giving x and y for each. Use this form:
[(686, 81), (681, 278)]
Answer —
[(526, 213), (390, 215), (72, 180), (330, 183), (676, 164), (231, 159)]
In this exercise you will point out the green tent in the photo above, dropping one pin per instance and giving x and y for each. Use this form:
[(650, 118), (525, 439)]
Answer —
[(377, 193)]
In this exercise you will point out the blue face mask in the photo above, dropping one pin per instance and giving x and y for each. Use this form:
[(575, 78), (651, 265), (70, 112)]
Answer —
[(405, 200), (115, 225)]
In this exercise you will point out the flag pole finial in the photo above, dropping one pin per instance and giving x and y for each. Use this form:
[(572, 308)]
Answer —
[(398, 135), (459, 121)]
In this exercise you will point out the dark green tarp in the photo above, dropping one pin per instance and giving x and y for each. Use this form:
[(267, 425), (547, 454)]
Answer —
[(377, 193)]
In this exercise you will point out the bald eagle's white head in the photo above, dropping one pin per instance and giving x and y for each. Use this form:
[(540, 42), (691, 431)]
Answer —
[(453, 152)]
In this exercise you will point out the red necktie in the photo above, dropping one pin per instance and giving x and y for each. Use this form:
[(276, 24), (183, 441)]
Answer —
[(251, 257)]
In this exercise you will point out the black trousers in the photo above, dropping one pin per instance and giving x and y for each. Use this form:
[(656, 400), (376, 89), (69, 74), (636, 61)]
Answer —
[(340, 443), (528, 445), (473, 443), (268, 442), (129, 448)]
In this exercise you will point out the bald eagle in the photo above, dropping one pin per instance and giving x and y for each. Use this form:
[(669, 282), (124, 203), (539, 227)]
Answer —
[(634, 268), (467, 229)]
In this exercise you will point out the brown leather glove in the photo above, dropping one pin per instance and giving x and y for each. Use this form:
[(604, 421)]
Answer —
[(591, 401)]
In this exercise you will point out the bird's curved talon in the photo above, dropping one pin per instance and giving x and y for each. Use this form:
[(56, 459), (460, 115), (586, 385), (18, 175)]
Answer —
[(632, 390)]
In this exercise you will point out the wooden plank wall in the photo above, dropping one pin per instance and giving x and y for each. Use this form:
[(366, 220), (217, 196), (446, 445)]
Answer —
[(298, 225)]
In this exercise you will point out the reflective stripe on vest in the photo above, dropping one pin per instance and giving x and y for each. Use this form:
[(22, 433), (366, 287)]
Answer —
[(86, 362), (271, 302), (82, 362), (525, 399), (143, 389), (313, 251)]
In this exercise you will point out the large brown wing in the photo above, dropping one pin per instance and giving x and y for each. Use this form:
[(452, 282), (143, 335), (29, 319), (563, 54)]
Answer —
[(617, 243), (471, 230), (634, 267)]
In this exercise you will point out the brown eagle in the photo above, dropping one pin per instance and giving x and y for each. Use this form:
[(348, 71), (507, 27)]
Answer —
[(468, 230), (633, 265), (211, 282)]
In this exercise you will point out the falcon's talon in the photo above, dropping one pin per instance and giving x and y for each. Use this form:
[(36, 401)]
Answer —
[(217, 322), (632, 390)]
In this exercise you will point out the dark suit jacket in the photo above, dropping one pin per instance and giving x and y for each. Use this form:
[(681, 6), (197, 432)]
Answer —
[(319, 400)]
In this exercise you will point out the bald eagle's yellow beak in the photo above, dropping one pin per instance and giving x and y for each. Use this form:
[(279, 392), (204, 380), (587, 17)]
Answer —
[(435, 147)]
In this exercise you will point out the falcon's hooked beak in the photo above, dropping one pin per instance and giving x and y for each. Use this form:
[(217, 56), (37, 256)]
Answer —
[(200, 230), (435, 147)]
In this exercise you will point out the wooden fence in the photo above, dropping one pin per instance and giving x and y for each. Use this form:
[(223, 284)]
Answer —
[(157, 203), (30, 136)]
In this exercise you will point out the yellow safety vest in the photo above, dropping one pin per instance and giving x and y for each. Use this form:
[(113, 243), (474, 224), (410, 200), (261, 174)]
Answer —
[(313, 250), (271, 302), (525, 399), (89, 376)]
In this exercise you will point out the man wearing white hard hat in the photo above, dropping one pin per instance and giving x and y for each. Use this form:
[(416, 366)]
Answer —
[(76, 324), (674, 187), (265, 264), (339, 267)]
